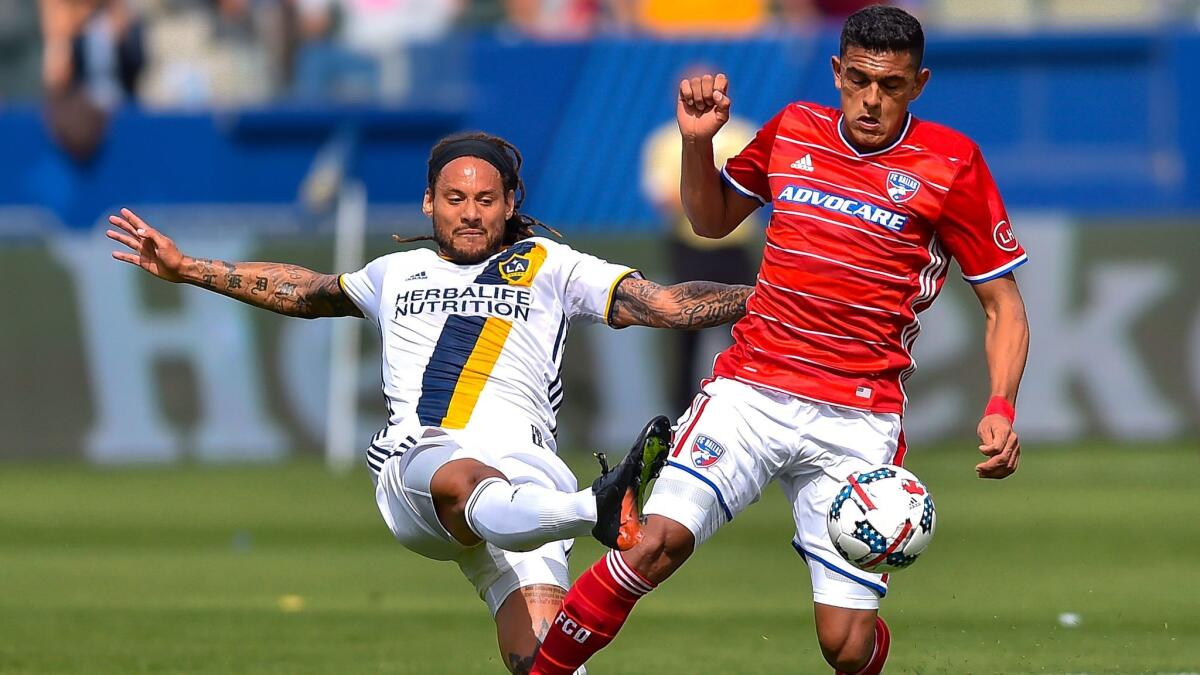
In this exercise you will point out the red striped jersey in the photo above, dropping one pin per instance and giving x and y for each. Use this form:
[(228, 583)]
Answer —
[(858, 244)]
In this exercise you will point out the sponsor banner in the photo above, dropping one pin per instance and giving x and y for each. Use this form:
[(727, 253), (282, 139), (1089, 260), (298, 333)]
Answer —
[(101, 361)]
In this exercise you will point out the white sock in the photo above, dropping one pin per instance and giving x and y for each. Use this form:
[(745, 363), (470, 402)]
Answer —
[(524, 517)]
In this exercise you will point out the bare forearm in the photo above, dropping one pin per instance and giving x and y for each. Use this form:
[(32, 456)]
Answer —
[(1007, 346), (689, 305), (701, 190), (286, 289)]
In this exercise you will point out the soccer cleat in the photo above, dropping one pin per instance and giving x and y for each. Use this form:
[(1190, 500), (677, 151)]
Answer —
[(620, 491)]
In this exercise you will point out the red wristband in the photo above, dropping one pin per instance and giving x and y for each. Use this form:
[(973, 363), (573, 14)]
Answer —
[(998, 405)]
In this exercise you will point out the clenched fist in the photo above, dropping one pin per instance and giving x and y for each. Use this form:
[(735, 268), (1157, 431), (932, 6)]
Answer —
[(703, 106)]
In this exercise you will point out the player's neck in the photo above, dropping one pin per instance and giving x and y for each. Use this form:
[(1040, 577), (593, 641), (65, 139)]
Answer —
[(866, 150)]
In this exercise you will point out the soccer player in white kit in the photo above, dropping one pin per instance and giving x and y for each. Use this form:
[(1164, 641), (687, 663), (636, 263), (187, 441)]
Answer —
[(466, 468)]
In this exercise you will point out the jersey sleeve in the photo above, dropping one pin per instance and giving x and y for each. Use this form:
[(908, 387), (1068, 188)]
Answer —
[(365, 287), (590, 283), (975, 227), (746, 171)]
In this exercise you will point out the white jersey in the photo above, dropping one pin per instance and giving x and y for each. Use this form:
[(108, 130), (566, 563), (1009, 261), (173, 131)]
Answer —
[(480, 347)]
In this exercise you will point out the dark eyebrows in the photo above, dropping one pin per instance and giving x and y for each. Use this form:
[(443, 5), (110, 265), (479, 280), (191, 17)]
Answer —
[(449, 190), (891, 79)]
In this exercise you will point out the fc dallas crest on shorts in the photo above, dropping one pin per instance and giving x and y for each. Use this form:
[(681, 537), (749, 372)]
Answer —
[(706, 452)]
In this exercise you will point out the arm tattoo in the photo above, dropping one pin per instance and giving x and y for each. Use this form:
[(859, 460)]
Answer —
[(690, 305), (285, 289)]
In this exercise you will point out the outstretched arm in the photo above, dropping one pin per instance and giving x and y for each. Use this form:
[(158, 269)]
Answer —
[(690, 305), (286, 289)]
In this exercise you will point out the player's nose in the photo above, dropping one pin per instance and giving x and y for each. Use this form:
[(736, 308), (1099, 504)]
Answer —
[(871, 97), (470, 212)]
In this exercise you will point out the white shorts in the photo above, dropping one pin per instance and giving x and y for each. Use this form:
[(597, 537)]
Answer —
[(411, 455), (737, 438)]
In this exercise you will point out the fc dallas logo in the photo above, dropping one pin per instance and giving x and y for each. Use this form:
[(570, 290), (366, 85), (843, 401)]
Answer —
[(902, 187), (706, 452)]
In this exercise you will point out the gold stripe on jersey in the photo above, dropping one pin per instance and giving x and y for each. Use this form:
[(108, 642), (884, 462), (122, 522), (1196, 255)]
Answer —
[(476, 371)]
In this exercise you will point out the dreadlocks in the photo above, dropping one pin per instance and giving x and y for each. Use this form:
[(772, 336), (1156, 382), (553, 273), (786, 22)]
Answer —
[(507, 160)]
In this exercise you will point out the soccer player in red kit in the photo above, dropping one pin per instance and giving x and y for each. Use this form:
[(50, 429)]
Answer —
[(870, 204)]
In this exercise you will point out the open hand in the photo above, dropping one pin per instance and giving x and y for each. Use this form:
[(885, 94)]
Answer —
[(703, 106), (999, 442), (152, 250)]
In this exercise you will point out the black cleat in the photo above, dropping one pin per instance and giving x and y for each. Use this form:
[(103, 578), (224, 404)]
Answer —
[(621, 491)]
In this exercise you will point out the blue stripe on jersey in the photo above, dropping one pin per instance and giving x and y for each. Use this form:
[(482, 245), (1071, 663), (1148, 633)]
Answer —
[(459, 337), (559, 340), (713, 486), (808, 556), (454, 346)]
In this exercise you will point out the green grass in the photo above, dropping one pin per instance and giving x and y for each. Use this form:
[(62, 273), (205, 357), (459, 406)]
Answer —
[(182, 570)]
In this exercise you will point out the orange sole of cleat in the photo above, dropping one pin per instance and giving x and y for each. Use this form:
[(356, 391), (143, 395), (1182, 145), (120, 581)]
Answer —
[(630, 532)]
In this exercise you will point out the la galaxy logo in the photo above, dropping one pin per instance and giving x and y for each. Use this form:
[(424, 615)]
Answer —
[(902, 187), (706, 452), (515, 268)]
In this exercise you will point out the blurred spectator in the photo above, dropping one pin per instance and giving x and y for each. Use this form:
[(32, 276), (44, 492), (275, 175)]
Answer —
[(358, 49), (218, 52), (803, 12), (682, 17), (92, 60), (691, 257), (553, 19), (19, 49)]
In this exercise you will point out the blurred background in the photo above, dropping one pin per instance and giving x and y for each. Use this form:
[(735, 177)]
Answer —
[(263, 128), (297, 130)]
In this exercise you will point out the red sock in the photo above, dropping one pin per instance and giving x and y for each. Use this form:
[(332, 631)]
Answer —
[(883, 643), (593, 611)]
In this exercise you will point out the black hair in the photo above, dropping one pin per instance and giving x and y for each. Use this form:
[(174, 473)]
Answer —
[(499, 153), (882, 29)]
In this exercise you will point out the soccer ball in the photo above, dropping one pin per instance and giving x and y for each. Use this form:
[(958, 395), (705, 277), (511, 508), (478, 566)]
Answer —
[(881, 519)]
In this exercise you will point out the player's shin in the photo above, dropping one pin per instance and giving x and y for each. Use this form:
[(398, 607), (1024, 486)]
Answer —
[(879, 652), (593, 611), (524, 517)]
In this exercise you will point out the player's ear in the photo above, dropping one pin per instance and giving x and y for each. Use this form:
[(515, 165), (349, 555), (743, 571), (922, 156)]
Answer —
[(836, 63), (427, 203), (510, 201), (922, 80)]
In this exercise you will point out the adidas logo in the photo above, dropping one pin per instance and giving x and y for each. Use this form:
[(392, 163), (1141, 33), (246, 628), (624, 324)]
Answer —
[(804, 164), (418, 275)]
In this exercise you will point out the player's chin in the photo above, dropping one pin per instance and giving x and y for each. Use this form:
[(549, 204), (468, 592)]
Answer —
[(470, 251)]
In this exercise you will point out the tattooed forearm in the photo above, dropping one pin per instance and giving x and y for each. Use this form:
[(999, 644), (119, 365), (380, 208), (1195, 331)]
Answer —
[(282, 288), (690, 305)]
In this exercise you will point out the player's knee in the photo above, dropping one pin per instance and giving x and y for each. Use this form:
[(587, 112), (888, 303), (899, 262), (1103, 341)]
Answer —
[(451, 489), (846, 647), (664, 547), (454, 483)]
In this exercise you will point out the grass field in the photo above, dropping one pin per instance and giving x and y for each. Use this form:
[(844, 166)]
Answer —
[(290, 570)]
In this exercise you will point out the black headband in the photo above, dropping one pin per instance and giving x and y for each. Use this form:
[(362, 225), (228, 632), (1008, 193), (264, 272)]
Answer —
[(470, 147)]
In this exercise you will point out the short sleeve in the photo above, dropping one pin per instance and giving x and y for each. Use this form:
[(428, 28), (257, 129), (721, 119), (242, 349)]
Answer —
[(975, 227), (746, 171), (590, 285), (365, 287)]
